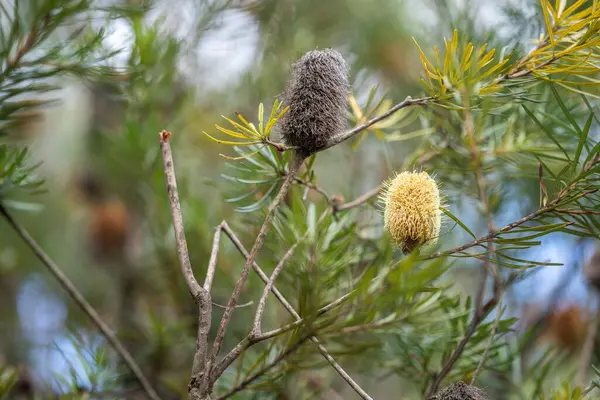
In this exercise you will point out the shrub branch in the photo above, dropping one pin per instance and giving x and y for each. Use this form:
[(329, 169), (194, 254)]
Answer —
[(81, 302)]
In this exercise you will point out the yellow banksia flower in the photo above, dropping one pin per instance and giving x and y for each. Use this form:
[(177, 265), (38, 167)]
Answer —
[(412, 213)]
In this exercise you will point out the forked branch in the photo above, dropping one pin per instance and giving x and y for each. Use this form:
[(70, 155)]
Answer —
[(200, 294)]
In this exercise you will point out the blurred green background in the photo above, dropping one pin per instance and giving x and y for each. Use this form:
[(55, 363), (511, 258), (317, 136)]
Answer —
[(105, 218)]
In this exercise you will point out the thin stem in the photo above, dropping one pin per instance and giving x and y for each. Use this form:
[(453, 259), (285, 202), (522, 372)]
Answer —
[(265, 369), (295, 314), (238, 244), (314, 187), (258, 243), (81, 302), (577, 212), (260, 310), (490, 342), (485, 310), (201, 296), (251, 340), (486, 238), (26, 44), (212, 263), (358, 129), (182, 249), (359, 200), (409, 101), (476, 161), (363, 198), (551, 207), (323, 310)]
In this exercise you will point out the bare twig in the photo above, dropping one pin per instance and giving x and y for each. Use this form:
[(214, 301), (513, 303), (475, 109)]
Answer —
[(359, 200), (27, 43), (477, 318), (253, 339), (314, 187), (486, 238), (551, 207), (265, 369), (488, 264), (182, 250), (237, 306), (577, 212), (285, 186), (212, 263), (490, 341), (201, 296), (81, 302), (409, 101), (256, 329), (336, 207), (293, 312), (590, 387), (588, 347), (238, 244)]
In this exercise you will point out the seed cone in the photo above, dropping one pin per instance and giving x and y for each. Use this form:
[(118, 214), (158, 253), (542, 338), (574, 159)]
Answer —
[(460, 391), (412, 209), (317, 95)]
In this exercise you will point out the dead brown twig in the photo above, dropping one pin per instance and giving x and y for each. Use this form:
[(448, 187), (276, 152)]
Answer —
[(205, 370)]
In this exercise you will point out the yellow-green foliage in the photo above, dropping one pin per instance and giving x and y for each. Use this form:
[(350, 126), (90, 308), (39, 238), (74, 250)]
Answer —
[(567, 55), (412, 209)]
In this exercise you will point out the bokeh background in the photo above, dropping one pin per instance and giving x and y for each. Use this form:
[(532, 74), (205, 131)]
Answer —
[(184, 63)]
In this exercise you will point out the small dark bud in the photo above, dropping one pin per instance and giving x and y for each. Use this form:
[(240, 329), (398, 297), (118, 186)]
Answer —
[(317, 95), (460, 391)]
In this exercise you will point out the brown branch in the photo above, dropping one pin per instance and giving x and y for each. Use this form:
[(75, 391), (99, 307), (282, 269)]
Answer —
[(182, 249), (201, 296), (240, 247), (265, 369), (293, 312), (577, 212), (26, 44), (551, 207), (256, 329), (212, 263), (314, 187), (81, 302), (477, 318), (334, 203), (486, 238), (258, 243), (409, 101), (251, 340), (488, 265), (359, 200), (476, 161)]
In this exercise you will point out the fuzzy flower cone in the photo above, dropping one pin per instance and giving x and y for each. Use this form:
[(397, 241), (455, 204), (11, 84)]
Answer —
[(317, 95), (412, 210)]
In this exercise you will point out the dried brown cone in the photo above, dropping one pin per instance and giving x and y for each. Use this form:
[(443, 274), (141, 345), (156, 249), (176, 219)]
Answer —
[(317, 95), (567, 328), (460, 391)]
